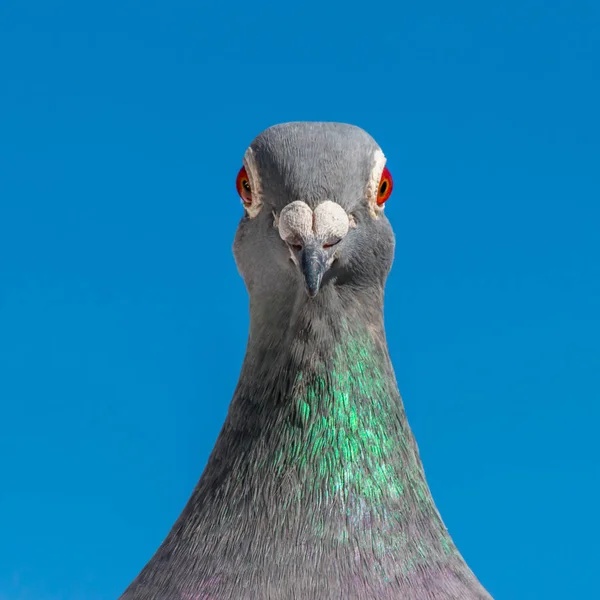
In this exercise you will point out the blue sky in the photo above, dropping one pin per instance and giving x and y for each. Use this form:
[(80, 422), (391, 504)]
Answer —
[(123, 320)]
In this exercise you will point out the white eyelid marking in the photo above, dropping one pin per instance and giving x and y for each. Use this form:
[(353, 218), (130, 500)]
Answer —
[(373, 183), (252, 170)]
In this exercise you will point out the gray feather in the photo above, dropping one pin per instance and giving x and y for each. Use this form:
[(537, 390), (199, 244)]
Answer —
[(315, 488)]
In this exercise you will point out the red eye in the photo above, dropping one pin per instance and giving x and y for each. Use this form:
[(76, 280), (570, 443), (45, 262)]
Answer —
[(386, 185), (242, 184)]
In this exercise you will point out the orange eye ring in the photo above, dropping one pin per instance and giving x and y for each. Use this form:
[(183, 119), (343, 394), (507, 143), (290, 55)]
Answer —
[(386, 185), (242, 183)]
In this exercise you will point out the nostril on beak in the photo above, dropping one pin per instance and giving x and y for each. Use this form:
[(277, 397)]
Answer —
[(296, 246)]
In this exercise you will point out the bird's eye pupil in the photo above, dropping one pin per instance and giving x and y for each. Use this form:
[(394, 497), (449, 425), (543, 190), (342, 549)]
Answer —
[(242, 184), (386, 184)]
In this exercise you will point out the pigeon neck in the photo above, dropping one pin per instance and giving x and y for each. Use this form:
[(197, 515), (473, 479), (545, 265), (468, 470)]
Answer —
[(316, 465), (318, 405)]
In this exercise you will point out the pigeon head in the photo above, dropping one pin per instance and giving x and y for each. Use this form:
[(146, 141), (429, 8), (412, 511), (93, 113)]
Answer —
[(313, 197)]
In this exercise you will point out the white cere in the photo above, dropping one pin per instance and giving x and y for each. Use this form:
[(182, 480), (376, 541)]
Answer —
[(297, 223), (331, 222)]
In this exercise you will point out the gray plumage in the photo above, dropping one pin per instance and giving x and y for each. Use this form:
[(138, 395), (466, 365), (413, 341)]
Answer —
[(314, 489)]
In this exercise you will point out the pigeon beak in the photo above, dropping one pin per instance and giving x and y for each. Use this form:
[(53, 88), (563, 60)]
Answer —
[(313, 265)]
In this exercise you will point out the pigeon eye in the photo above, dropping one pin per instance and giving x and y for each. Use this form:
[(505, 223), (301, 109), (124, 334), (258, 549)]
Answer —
[(243, 187), (385, 186)]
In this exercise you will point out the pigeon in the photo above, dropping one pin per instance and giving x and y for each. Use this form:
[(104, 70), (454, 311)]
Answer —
[(314, 489)]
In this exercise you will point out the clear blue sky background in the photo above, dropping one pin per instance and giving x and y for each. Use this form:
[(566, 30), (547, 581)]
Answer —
[(123, 320)]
